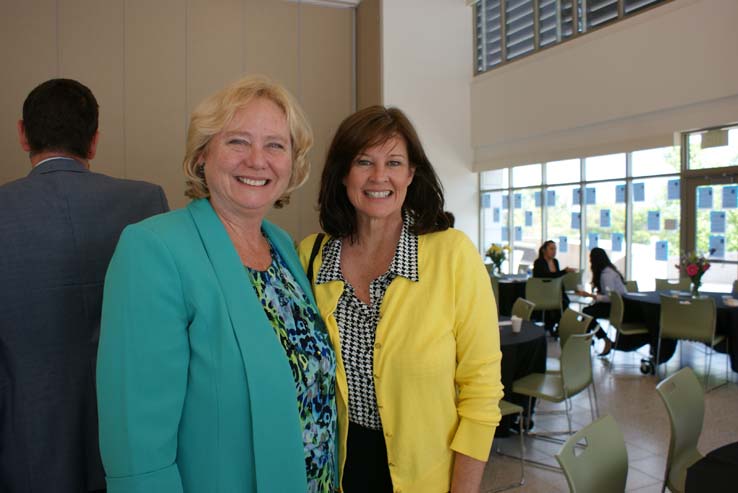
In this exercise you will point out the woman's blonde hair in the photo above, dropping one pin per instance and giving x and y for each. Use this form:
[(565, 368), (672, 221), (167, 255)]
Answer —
[(214, 113)]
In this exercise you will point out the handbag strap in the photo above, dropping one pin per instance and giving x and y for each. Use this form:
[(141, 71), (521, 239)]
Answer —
[(313, 254)]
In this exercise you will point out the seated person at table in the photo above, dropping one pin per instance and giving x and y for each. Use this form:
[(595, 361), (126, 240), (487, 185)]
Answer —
[(547, 267), (605, 279)]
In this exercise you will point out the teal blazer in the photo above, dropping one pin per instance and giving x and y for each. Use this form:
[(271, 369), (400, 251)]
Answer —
[(195, 393)]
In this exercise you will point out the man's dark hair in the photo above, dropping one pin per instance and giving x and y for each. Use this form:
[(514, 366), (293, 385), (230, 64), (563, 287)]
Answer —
[(366, 128), (60, 115)]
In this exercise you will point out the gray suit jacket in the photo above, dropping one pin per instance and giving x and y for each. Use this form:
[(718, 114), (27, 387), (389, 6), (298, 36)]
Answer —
[(58, 229)]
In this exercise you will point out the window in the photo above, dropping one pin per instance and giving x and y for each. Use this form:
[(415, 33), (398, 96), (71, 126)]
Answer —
[(716, 148), (526, 176), (655, 236), (599, 12), (509, 29), (605, 167), (519, 31), (495, 220), (568, 171), (660, 161), (628, 204)]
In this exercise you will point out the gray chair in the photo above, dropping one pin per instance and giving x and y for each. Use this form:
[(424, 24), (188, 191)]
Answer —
[(735, 287), (545, 293), (496, 290), (523, 308), (617, 309), (684, 399), (631, 286), (574, 377), (595, 459), (690, 320), (572, 322)]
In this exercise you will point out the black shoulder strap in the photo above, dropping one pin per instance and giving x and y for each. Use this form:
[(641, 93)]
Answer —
[(313, 254)]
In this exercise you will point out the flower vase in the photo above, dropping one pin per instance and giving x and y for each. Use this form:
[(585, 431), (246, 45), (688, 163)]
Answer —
[(696, 289)]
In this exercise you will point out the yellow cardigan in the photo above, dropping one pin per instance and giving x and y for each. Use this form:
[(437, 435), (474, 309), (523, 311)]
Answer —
[(436, 362)]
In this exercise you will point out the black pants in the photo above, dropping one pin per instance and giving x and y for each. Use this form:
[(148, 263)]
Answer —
[(597, 310), (366, 469)]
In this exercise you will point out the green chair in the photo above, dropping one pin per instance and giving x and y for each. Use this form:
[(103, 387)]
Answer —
[(572, 322), (574, 377), (506, 409), (496, 290), (571, 280), (523, 308), (617, 309), (690, 320), (685, 403), (600, 463), (545, 293), (631, 286), (681, 284)]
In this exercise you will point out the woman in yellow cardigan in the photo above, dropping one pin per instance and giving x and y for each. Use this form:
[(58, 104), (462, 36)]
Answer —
[(409, 308)]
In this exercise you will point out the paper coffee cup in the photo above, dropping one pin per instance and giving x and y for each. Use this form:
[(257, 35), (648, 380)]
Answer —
[(517, 322)]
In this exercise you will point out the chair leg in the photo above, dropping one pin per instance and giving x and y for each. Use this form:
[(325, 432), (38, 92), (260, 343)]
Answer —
[(522, 461), (614, 349), (594, 410), (709, 364)]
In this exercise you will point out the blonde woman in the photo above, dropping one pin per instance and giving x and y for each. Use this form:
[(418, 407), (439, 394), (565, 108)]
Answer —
[(215, 371)]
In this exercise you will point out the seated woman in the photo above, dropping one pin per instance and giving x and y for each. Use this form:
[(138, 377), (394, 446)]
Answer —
[(546, 266), (605, 279)]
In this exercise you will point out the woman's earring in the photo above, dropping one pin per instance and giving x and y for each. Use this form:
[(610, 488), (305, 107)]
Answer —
[(200, 170)]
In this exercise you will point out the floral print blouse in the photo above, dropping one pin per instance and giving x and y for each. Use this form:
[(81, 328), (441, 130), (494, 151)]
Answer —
[(302, 334)]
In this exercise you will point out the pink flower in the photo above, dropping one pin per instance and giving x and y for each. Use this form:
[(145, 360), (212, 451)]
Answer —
[(705, 267), (692, 270)]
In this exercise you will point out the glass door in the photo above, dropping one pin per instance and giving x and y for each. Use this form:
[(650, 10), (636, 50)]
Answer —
[(710, 207)]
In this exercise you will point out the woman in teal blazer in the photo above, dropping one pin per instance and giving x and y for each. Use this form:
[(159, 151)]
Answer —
[(205, 375)]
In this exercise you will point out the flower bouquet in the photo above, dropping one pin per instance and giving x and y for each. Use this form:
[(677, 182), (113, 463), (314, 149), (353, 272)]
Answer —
[(496, 254), (695, 266)]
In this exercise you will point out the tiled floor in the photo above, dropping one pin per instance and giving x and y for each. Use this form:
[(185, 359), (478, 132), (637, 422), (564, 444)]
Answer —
[(631, 399)]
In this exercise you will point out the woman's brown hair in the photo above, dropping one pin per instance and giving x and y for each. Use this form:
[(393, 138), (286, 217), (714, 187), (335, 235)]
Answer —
[(366, 128)]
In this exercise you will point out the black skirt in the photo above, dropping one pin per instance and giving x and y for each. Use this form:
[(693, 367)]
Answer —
[(366, 469)]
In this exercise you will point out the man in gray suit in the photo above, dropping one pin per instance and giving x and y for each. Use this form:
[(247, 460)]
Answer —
[(58, 229)]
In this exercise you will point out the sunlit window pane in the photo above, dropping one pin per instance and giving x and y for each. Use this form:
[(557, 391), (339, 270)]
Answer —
[(526, 176), (659, 161), (713, 149), (655, 232), (568, 171), (494, 221), (495, 179), (605, 167)]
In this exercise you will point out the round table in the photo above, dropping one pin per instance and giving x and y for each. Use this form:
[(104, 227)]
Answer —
[(523, 353), (715, 472), (645, 307), (511, 288)]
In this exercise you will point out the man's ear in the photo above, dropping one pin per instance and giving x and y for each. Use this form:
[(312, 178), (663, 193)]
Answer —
[(93, 145), (22, 139)]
